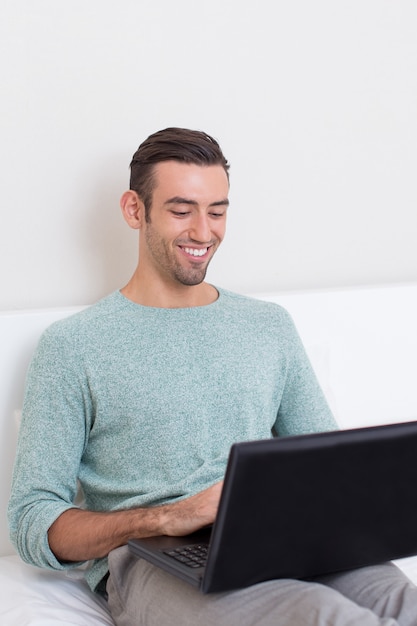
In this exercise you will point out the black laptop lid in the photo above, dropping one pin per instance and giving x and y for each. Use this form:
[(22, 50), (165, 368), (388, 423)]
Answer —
[(303, 506)]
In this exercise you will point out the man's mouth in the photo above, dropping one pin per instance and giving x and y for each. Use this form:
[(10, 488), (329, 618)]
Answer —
[(194, 252)]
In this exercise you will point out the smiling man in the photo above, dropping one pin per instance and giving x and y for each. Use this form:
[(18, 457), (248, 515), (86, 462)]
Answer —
[(139, 398), (179, 237)]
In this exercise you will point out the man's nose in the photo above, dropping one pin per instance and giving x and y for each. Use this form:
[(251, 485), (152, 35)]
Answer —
[(200, 228)]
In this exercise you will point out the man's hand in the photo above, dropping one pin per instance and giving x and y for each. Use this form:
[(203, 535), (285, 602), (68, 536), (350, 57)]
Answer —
[(79, 535), (186, 516)]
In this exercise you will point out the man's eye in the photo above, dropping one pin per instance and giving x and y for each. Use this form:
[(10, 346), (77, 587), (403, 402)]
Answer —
[(180, 213)]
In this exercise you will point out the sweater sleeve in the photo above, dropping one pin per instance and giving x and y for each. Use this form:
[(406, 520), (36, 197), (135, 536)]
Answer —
[(303, 408), (51, 442)]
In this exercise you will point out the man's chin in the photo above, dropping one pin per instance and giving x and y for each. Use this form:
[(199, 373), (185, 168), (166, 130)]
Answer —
[(191, 279), (192, 282)]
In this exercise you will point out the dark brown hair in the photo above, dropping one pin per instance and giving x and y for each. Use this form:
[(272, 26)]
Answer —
[(171, 144)]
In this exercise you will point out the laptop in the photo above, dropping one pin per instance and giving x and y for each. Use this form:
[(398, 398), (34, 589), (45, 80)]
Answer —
[(302, 506)]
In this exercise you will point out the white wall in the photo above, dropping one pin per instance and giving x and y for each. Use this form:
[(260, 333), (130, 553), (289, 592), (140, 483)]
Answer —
[(314, 104)]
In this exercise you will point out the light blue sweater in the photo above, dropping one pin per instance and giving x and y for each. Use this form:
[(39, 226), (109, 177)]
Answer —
[(142, 404)]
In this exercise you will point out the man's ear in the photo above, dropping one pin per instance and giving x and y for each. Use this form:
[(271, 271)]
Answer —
[(133, 209)]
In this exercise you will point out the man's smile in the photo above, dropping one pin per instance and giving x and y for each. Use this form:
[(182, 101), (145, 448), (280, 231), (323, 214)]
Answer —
[(194, 252)]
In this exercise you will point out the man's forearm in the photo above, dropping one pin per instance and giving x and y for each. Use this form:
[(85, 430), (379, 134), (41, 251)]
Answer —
[(79, 535)]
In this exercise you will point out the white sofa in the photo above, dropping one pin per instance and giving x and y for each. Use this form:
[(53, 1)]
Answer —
[(363, 345)]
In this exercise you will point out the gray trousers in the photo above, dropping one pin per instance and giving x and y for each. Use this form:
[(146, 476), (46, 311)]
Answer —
[(143, 595)]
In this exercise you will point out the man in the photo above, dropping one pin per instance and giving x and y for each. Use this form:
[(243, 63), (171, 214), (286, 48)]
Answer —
[(139, 398)]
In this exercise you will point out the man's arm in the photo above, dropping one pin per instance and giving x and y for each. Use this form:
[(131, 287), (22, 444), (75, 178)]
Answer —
[(303, 407), (79, 535)]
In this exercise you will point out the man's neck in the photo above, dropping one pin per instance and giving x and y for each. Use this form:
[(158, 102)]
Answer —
[(169, 296)]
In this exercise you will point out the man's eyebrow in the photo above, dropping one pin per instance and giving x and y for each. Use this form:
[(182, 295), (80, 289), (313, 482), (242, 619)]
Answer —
[(224, 202), (180, 200)]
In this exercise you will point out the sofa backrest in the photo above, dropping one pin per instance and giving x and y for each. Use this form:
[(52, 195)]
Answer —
[(362, 343)]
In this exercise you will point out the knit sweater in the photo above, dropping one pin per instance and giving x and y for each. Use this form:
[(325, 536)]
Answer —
[(141, 405)]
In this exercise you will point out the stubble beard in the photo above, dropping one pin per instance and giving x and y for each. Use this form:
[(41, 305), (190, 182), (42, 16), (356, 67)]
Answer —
[(190, 277), (165, 258)]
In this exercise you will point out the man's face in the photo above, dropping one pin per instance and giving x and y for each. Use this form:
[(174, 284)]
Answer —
[(187, 221)]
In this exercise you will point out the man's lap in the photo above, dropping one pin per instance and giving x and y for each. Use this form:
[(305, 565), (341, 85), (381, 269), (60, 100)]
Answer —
[(140, 593)]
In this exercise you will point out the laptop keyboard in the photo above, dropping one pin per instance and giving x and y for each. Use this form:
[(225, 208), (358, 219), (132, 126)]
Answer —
[(193, 556)]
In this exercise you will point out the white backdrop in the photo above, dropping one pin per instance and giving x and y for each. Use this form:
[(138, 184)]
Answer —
[(314, 104)]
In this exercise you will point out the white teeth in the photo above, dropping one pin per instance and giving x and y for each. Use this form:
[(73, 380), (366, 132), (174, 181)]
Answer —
[(195, 252)]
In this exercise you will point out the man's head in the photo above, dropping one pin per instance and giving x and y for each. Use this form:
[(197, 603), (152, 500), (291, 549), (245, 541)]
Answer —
[(171, 144), (178, 201)]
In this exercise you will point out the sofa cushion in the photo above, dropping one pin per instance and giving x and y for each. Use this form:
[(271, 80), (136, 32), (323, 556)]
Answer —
[(33, 597)]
